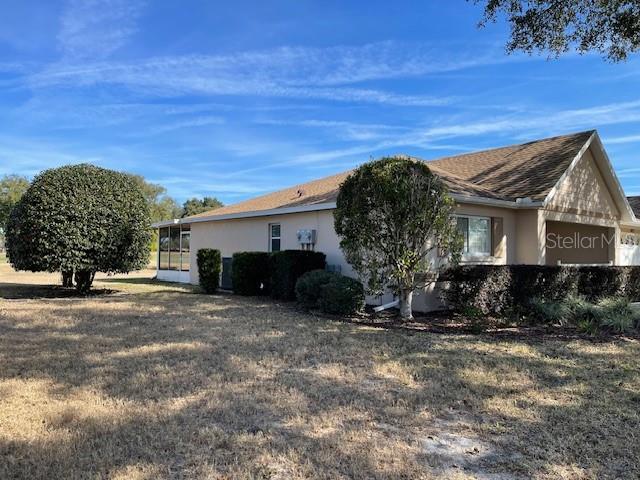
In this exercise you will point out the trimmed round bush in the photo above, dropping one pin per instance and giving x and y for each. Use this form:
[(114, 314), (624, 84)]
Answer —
[(308, 287), (250, 273), (79, 220), (209, 266), (341, 296)]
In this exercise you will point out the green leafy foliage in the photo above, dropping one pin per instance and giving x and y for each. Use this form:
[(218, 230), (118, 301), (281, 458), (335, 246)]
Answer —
[(81, 219), (12, 187), (209, 266), (394, 219), (615, 314), (308, 287), (610, 313), (609, 27), (161, 205), (549, 311), (509, 289), (287, 266), (341, 296), (194, 206), (250, 273), (330, 292)]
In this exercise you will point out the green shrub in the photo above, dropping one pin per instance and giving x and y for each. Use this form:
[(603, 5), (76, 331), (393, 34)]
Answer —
[(341, 296), (250, 273), (615, 314), (611, 313), (502, 289), (287, 266), (209, 266), (308, 287), (550, 311), (485, 288)]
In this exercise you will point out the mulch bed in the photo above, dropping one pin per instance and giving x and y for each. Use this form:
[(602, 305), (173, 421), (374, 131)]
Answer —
[(444, 322)]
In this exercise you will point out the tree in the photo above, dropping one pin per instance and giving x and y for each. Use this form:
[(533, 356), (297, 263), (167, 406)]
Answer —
[(79, 220), (394, 219), (161, 205), (194, 206), (611, 27), (12, 187)]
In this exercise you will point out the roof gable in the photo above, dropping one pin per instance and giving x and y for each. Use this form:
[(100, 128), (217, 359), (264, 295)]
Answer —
[(528, 170)]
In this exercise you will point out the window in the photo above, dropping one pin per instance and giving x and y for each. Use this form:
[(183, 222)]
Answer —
[(173, 248), (274, 237), (163, 249), (184, 248), (476, 232)]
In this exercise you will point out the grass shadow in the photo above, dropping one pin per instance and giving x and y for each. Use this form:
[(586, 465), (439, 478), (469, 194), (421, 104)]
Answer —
[(19, 291)]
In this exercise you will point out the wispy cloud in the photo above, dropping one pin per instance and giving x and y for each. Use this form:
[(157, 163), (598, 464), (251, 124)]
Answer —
[(287, 72), (622, 139), (202, 121), (345, 130), (96, 28)]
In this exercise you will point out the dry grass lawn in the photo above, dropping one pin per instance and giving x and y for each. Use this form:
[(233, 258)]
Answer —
[(160, 382)]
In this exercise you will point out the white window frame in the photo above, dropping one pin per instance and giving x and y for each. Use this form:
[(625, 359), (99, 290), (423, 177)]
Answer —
[(271, 237), (471, 256)]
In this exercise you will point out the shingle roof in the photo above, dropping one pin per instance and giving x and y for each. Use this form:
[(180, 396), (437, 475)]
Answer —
[(635, 205), (527, 170)]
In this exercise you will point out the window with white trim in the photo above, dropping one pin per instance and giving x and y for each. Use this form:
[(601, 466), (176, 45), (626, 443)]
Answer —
[(274, 237), (476, 232)]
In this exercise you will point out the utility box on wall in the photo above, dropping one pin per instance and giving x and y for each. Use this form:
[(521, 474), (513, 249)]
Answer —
[(307, 237)]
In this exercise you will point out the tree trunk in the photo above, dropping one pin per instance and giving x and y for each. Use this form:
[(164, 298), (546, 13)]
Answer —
[(84, 280), (406, 296), (67, 278)]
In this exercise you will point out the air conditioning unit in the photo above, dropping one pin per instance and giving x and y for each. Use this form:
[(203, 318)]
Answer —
[(307, 237)]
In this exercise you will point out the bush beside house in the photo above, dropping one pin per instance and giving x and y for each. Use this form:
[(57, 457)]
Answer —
[(209, 267), (341, 296), (250, 273), (287, 266), (308, 287), (501, 289), (590, 298), (330, 292)]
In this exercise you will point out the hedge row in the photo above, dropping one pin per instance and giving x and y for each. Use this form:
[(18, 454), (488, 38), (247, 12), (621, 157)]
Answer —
[(250, 273), (499, 289), (259, 273)]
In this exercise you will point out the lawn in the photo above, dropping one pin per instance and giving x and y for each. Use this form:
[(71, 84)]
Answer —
[(161, 382)]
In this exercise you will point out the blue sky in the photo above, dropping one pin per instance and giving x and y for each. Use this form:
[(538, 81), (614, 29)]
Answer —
[(234, 99)]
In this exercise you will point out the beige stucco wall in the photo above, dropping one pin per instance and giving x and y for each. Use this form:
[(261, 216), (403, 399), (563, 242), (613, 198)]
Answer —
[(585, 192), (529, 237), (252, 234)]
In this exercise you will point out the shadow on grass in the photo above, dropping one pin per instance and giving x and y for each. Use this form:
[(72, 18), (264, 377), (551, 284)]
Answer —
[(20, 291)]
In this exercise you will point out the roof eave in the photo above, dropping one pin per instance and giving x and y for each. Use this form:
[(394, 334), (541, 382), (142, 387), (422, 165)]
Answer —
[(459, 198), (250, 214)]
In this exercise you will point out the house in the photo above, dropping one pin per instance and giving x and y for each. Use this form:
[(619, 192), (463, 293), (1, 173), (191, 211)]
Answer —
[(547, 202)]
